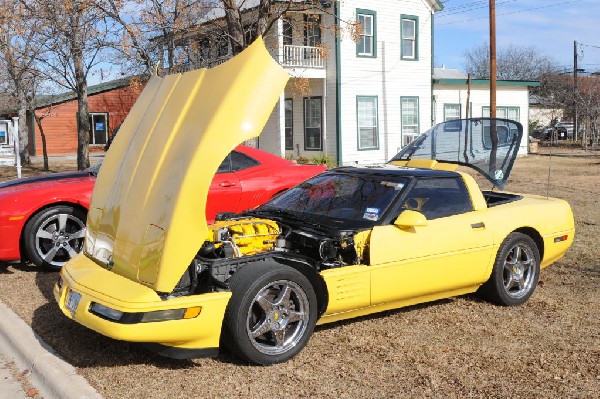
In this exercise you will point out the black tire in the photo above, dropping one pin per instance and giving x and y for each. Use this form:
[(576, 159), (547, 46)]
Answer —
[(515, 273), (271, 314), (53, 236)]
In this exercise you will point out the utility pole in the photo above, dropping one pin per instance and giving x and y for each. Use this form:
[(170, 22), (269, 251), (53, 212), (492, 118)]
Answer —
[(575, 90), (493, 135), (492, 59)]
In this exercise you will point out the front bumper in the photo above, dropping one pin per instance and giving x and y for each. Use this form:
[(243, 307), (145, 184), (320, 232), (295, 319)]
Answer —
[(198, 335), (10, 233)]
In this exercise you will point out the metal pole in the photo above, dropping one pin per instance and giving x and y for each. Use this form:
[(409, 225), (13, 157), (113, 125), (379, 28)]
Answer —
[(575, 116), (15, 130)]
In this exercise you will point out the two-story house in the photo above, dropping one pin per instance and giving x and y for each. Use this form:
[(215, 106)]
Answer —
[(358, 92)]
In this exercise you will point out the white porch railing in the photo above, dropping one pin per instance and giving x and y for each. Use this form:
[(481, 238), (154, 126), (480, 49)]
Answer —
[(302, 56), (293, 57)]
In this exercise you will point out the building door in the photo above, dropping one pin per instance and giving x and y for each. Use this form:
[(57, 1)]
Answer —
[(98, 128)]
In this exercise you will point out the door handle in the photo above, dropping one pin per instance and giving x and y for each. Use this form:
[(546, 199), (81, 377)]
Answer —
[(477, 225), (227, 184)]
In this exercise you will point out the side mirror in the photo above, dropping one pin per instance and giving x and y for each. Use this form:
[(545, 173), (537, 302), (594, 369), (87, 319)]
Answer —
[(410, 219)]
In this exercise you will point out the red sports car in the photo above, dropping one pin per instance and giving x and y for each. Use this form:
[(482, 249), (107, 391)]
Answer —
[(42, 219)]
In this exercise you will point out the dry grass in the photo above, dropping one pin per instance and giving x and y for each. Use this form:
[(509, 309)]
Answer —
[(462, 347)]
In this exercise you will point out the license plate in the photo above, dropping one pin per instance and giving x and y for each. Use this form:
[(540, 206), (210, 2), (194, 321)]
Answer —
[(73, 299)]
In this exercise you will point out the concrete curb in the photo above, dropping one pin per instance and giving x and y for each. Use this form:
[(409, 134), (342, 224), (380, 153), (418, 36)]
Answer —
[(51, 375)]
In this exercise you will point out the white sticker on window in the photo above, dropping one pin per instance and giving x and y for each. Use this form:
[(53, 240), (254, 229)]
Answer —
[(371, 216)]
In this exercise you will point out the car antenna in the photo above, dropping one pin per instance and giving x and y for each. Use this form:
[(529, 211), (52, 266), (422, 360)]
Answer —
[(549, 171)]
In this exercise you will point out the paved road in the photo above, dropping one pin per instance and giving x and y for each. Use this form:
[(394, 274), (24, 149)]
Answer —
[(10, 386)]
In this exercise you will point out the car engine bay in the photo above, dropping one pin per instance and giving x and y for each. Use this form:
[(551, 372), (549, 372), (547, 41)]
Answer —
[(239, 241)]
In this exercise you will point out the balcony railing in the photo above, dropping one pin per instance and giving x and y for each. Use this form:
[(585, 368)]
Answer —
[(302, 56), (293, 57)]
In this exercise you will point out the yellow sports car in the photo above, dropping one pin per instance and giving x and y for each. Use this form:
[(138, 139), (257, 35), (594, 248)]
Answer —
[(348, 242)]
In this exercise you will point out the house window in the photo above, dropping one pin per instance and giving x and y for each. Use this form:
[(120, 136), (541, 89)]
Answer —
[(312, 30), (409, 32), (366, 116), (4, 129), (512, 113), (287, 33), (409, 111), (289, 120), (223, 48), (98, 128), (313, 120), (452, 112), (367, 45)]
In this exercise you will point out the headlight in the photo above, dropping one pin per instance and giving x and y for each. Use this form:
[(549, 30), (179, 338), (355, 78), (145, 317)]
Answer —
[(106, 312), (144, 317)]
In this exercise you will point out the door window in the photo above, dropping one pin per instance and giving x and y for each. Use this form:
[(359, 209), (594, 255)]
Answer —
[(438, 198)]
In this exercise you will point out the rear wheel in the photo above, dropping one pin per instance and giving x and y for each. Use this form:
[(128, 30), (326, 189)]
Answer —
[(54, 235), (516, 271), (271, 314)]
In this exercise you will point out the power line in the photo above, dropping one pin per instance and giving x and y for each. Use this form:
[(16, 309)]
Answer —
[(470, 7), (512, 12)]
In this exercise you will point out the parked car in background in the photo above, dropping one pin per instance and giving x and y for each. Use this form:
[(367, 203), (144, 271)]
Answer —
[(564, 130), (43, 218)]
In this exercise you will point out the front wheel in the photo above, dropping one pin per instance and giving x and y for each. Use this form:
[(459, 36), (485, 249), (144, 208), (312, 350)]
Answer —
[(515, 273), (54, 235), (271, 314)]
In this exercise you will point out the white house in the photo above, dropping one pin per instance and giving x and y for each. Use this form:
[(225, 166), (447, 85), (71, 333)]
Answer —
[(450, 93), (352, 98), (366, 97)]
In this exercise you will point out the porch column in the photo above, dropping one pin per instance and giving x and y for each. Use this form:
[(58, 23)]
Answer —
[(281, 110), (15, 130), (282, 96), (280, 41), (324, 116)]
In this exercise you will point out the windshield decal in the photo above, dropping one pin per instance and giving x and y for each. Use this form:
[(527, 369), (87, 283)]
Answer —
[(371, 214)]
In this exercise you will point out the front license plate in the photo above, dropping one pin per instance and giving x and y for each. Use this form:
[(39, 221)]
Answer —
[(73, 299)]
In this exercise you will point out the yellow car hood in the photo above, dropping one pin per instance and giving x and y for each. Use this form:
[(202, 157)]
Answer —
[(147, 217)]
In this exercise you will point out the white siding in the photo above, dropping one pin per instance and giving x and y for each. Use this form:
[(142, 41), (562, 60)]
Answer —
[(506, 96), (386, 76)]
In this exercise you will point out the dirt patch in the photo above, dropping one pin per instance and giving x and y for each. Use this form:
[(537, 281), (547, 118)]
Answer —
[(456, 348)]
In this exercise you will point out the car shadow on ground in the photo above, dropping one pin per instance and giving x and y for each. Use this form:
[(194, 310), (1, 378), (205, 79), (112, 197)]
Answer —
[(82, 347), (85, 348), (6, 266)]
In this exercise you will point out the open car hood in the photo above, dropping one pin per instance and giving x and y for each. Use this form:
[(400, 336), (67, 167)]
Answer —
[(487, 145), (147, 217)]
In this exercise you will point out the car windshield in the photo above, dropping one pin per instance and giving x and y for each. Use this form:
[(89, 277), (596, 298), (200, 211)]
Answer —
[(487, 145), (342, 198)]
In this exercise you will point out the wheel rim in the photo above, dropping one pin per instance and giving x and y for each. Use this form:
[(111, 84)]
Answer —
[(278, 317), (59, 238), (519, 271)]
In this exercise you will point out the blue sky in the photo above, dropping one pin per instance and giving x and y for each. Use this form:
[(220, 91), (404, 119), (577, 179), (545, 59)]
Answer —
[(551, 26)]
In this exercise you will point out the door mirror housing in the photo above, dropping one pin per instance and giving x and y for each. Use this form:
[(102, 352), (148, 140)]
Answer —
[(410, 218)]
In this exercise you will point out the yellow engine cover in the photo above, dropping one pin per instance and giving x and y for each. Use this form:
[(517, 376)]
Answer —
[(249, 235)]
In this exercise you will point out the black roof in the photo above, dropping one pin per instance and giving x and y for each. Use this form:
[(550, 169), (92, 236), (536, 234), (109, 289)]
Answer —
[(392, 170)]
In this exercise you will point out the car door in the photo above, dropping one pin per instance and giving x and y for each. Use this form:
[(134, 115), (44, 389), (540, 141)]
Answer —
[(225, 191), (449, 253)]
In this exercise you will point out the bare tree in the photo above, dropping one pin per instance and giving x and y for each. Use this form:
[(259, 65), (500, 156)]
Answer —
[(75, 35), (146, 28), (20, 47), (512, 63)]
